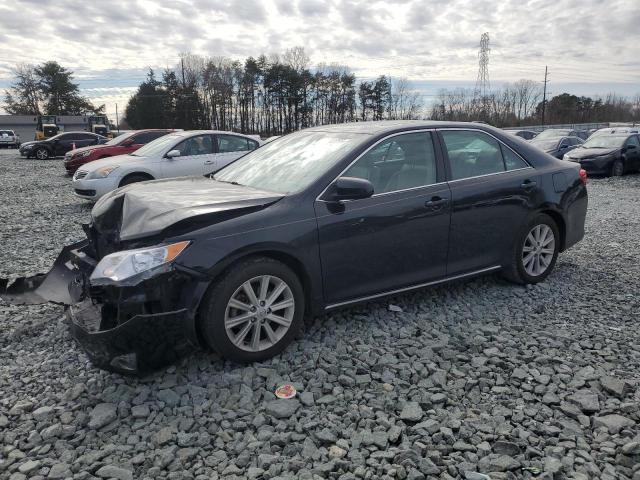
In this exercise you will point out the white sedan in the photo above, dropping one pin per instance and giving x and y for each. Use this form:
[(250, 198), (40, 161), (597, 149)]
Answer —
[(179, 154)]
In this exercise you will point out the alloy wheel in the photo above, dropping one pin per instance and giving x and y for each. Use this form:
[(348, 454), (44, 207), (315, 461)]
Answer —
[(538, 250), (259, 313), (618, 169), (42, 154)]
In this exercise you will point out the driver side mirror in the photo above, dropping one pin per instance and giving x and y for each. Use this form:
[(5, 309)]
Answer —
[(173, 154), (349, 188)]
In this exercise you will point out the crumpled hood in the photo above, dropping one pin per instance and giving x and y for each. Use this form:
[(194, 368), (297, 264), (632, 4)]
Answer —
[(145, 209), (591, 152)]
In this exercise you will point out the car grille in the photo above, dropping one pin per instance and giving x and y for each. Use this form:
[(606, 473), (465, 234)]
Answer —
[(86, 193), (80, 174)]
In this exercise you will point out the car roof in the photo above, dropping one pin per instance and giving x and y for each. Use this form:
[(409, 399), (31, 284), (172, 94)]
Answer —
[(188, 133), (388, 126)]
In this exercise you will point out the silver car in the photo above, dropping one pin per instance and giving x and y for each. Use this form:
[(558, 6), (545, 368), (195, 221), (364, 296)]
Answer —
[(9, 139), (179, 154)]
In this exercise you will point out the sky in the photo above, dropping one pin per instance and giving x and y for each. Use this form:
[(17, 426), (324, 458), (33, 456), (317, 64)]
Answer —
[(592, 47)]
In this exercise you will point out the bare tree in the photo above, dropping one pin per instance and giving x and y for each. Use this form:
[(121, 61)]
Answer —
[(25, 96)]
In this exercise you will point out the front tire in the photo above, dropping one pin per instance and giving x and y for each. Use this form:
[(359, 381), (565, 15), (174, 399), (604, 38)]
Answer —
[(253, 311), (42, 153), (535, 252), (617, 168)]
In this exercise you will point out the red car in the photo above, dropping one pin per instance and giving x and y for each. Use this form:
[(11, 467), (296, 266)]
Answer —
[(120, 145)]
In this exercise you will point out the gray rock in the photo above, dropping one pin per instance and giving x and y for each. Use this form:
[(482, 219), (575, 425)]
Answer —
[(101, 415), (111, 471), (503, 447), (29, 466), (498, 463), (468, 475), (60, 470), (586, 400), (615, 386), (411, 412), (614, 422), (169, 397), (282, 408), (42, 413), (140, 411)]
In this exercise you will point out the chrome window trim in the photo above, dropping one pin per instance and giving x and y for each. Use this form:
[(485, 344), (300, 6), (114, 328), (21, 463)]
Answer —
[(432, 130), (491, 174), (405, 132), (412, 287)]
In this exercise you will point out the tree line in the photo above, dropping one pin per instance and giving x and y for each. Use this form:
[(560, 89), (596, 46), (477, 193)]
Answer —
[(46, 89), (282, 93), (521, 104), (265, 95)]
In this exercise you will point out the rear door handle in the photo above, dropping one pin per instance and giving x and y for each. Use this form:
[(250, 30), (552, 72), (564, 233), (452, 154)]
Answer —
[(528, 184), (436, 202)]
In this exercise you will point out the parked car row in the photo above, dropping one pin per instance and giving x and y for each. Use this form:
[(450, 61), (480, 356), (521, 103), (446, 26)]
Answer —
[(309, 222), (607, 151)]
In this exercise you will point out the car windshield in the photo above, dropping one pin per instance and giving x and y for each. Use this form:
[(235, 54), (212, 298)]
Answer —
[(291, 163), (119, 139), (158, 146), (545, 144), (604, 141), (6, 132), (553, 133)]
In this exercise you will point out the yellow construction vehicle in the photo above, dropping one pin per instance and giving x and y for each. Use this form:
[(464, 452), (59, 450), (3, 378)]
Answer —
[(100, 125), (46, 127)]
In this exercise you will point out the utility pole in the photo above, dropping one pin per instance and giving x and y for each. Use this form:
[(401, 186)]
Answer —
[(117, 121), (544, 94), (183, 82)]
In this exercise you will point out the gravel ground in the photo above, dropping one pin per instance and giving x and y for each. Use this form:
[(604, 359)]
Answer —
[(479, 376)]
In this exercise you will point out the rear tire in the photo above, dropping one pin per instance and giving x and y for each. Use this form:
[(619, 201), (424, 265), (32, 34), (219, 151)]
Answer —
[(246, 328), (617, 168), (535, 251), (134, 178)]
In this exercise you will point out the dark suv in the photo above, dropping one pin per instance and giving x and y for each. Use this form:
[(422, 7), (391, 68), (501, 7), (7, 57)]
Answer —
[(60, 144)]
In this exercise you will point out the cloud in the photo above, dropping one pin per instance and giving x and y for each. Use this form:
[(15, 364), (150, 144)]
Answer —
[(582, 41)]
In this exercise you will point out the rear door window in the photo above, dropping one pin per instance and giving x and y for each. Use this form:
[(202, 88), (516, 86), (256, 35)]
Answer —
[(472, 154), (198, 145), (233, 143), (633, 141), (512, 161)]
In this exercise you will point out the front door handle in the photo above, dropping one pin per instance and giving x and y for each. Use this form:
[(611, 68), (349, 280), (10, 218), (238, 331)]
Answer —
[(528, 184), (209, 162), (436, 202)]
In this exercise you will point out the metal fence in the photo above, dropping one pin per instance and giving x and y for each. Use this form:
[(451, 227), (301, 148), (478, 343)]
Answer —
[(575, 126)]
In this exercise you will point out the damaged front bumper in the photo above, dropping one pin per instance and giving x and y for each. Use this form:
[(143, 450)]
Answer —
[(132, 329)]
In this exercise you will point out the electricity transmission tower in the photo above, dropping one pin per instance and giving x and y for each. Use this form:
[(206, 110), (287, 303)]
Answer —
[(483, 86)]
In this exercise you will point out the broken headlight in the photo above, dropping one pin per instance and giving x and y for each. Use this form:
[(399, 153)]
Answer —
[(121, 267)]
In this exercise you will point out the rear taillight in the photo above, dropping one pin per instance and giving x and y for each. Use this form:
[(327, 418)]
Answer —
[(583, 176)]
